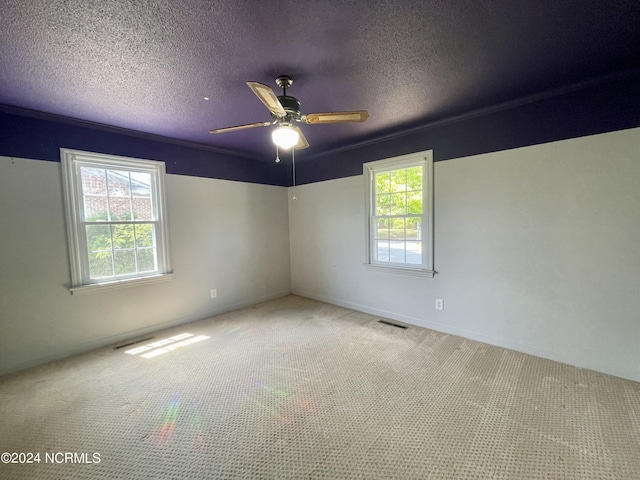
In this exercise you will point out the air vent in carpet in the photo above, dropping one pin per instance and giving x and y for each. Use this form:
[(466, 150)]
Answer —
[(391, 324)]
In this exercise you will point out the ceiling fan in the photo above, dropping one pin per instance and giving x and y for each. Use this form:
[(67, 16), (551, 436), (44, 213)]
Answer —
[(285, 111)]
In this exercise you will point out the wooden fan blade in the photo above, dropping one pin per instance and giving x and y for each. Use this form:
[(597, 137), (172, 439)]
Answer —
[(240, 127), (266, 96), (336, 117), (302, 141)]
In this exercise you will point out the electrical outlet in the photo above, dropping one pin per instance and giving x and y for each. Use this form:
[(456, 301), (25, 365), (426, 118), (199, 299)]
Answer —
[(214, 293), (439, 304)]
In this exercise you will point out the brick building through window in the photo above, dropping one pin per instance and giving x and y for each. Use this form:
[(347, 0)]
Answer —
[(114, 195)]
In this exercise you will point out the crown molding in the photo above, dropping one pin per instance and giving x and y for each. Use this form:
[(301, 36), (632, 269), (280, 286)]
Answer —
[(24, 112), (518, 102), (529, 99)]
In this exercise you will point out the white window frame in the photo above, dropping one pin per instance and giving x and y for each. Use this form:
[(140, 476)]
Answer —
[(370, 169), (71, 161)]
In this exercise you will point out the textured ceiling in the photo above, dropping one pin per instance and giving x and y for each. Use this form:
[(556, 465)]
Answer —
[(147, 65)]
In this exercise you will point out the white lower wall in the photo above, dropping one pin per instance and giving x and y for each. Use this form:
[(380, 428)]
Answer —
[(231, 236), (537, 249)]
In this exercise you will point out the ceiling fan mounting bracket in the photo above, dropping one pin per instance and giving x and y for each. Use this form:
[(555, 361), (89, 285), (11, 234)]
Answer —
[(284, 81)]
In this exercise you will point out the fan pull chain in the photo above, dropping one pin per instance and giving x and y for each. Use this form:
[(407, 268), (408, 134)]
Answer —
[(277, 155), (293, 153)]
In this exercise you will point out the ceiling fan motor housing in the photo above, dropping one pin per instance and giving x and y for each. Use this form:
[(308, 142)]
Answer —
[(291, 105)]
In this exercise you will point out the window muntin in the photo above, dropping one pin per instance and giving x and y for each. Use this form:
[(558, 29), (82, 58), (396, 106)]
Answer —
[(399, 212), (115, 216), (398, 216), (119, 217)]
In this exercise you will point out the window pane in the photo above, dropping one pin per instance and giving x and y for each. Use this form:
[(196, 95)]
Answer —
[(382, 250), (95, 208), (93, 181), (119, 185), (398, 203), (100, 265), (144, 235), (146, 259), (120, 208), (140, 184), (398, 180), (382, 182), (123, 236), (414, 202), (397, 228), (142, 208), (124, 261), (98, 238), (382, 204), (382, 229), (397, 251), (414, 178), (414, 253), (414, 230)]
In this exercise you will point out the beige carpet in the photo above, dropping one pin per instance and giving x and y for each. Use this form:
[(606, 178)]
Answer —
[(298, 389)]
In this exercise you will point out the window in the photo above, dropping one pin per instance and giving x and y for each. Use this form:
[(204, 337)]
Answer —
[(399, 207), (116, 220)]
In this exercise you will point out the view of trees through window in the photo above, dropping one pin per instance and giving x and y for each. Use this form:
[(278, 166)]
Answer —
[(398, 215), (118, 221)]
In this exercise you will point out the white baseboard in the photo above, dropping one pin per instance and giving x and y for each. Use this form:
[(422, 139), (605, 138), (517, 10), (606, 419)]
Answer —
[(534, 350), (364, 308), (132, 334)]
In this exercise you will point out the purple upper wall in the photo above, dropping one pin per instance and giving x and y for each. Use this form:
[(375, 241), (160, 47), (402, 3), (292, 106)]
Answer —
[(597, 108), (41, 139)]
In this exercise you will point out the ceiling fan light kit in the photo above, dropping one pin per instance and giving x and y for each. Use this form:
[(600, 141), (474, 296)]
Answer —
[(285, 110), (285, 137)]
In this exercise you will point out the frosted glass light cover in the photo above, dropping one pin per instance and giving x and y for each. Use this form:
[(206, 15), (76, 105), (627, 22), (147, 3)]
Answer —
[(285, 137)]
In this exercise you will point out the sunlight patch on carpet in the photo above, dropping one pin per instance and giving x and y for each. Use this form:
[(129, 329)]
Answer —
[(166, 345)]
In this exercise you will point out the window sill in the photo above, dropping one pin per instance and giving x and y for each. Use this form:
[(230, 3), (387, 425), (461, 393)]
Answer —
[(116, 284), (417, 272)]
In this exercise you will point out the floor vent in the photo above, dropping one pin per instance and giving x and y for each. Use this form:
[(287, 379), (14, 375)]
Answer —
[(391, 324), (132, 343)]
